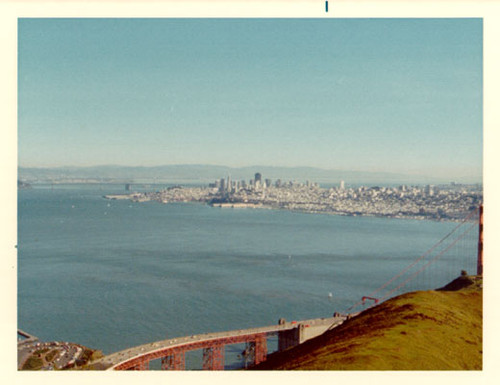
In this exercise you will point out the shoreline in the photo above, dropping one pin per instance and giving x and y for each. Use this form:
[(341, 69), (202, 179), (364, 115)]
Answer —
[(248, 205), (339, 214)]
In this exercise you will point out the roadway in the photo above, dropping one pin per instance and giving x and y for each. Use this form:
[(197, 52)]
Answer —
[(155, 349)]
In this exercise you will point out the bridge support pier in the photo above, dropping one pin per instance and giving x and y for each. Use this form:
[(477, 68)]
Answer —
[(213, 358), (256, 350), (174, 361), (260, 349), (288, 338)]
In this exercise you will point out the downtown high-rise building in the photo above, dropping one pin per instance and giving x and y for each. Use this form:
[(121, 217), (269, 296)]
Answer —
[(258, 180)]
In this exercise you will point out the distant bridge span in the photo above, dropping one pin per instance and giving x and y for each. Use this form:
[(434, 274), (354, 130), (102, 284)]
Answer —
[(172, 351)]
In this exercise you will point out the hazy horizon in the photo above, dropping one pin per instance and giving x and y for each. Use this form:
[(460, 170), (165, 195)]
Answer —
[(205, 172), (399, 96)]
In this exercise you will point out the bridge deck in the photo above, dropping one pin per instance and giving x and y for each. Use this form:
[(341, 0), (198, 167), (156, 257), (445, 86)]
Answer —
[(155, 349)]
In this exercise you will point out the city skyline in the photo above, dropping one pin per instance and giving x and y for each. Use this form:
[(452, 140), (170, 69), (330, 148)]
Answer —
[(392, 95)]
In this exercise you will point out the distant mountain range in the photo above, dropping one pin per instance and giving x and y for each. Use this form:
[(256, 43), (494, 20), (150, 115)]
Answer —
[(208, 173)]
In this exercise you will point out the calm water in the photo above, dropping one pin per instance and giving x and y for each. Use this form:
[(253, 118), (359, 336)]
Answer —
[(113, 274)]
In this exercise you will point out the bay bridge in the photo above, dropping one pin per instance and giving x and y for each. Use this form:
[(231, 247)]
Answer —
[(460, 250)]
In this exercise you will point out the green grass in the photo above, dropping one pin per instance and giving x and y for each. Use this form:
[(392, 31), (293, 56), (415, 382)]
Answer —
[(88, 357), (49, 357), (36, 363), (431, 330), (33, 363)]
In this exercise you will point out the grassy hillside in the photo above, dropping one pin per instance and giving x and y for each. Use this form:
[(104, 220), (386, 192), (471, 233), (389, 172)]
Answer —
[(427, 330)]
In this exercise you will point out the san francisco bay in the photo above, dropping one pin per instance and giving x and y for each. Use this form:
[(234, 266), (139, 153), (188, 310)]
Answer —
[(114, 274)]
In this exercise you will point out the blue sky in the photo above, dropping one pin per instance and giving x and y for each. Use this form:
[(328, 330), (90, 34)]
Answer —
[(397, 95)]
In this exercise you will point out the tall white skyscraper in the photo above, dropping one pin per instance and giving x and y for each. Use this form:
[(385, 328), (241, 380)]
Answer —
[(342, 185)]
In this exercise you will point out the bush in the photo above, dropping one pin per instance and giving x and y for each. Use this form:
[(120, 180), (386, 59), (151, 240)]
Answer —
[(33, 363), (50, 356)]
